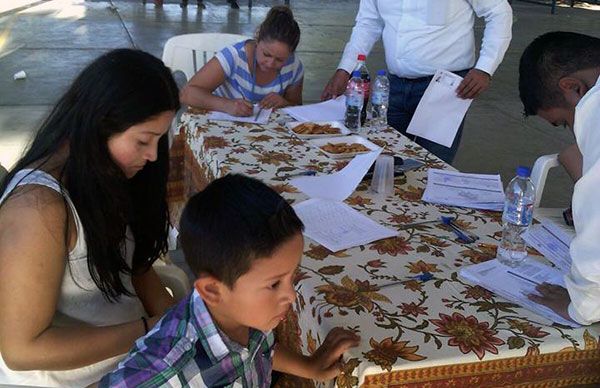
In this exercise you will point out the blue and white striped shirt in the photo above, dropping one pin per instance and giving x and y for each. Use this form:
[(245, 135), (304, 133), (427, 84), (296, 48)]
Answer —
[(239, 80)]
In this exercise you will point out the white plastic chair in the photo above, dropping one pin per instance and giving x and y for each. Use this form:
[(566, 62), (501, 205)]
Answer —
[(173, 278), (3, 172), (539, 172), (189, 52)]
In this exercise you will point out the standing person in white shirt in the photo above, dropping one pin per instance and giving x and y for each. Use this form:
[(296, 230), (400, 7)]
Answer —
[(559, 80), (421, 37)]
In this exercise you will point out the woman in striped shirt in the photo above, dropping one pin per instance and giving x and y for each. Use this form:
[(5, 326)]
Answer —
[(264, 71)]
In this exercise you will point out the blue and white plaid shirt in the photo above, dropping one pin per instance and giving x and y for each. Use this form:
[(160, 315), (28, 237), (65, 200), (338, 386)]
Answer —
[(186, 349)]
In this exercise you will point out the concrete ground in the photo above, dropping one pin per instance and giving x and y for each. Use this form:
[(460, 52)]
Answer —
[(52, 40)]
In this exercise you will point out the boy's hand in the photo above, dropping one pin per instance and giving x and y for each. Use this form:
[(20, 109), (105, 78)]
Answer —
[(325, 361), (555, 297), (273, 101)]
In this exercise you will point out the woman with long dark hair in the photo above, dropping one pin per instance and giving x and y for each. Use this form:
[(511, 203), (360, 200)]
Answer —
[(83, 216)]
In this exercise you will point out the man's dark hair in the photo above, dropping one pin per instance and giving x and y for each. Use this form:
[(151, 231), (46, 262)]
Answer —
[(549, 58), (233, 222)]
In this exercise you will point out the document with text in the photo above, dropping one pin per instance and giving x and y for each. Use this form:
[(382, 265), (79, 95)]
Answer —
[(337, 226)]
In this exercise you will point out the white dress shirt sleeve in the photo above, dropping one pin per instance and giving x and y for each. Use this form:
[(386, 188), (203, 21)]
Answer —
[(497, 33), (583, 282), (365, 33)]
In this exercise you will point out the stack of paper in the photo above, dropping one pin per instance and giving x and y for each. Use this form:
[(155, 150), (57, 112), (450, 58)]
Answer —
[(553, 241), (516, 283), (479, 191), (337, 226), (330, 110)]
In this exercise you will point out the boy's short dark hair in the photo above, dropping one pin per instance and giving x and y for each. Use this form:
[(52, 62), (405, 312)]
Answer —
[(233, 222), (549, 58)]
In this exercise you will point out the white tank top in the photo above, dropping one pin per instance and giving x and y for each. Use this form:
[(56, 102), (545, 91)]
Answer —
[(80, 300)]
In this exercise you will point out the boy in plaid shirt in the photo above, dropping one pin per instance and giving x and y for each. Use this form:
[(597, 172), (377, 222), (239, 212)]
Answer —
[(244, 242)]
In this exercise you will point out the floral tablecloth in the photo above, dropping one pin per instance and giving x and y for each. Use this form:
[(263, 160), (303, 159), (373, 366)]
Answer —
[(420, 324)]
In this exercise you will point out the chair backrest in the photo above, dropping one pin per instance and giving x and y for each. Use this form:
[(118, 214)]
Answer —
[(539, 172), (3, 172), (173, 278), (189, 52)]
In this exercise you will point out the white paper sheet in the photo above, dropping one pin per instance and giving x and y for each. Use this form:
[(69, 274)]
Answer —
[(263, 117), (440, 110), (550, 245), (479, 191), (339, 185), (515, 284), (337, 226), (330, 110)]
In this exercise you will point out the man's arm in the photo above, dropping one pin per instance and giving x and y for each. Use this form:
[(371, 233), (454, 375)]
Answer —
[(367, 30), (496, 38), (572, 160)]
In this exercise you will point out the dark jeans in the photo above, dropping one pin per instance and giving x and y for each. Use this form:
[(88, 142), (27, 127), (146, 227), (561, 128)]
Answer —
[(405, 95)]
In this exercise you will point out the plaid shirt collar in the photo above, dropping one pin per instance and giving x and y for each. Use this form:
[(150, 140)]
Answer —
[(185, 348), (219, 344), (231, 357)]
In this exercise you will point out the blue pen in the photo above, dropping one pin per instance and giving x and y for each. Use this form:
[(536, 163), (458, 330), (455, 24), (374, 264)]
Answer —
[(425, 276), (464, 237)]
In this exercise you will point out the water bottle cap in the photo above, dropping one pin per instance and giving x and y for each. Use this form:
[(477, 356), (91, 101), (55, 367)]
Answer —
[(523, 171), (362, 57), (380, 72), (356, 73)]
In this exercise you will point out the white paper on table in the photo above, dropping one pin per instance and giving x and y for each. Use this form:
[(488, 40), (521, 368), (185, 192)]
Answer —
[(440, 110), (330, 110), (452, 188), (516, 283), (337, 226), (550, 245), (339, 185), (263, 117), (556, 225)]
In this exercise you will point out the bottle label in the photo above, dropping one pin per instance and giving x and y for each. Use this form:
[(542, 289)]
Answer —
[(366, 89), (354, 100), (378, 98), (518, 215)]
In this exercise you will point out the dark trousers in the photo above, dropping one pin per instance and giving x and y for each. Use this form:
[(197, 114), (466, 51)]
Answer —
[(405, 94)]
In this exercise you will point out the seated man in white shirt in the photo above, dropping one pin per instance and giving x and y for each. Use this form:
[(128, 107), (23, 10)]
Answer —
[(559, 81), (421, 37)]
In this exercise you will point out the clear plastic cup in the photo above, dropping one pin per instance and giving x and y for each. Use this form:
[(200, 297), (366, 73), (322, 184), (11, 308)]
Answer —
[(383, 176)]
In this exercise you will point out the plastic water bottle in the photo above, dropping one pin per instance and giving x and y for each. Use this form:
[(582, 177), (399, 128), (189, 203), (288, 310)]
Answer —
[(366, 79), (380, 96), (354, 102), (517, 216)]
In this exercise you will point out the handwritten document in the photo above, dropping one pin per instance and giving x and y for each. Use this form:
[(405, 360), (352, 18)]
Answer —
[(337, 226)]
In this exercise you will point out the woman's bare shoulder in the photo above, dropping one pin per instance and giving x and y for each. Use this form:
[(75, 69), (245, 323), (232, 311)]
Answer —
[(30, 207)]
